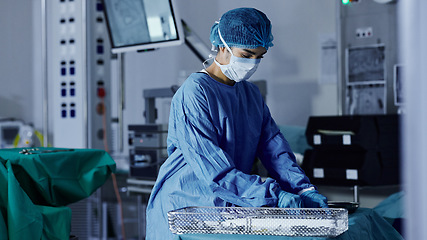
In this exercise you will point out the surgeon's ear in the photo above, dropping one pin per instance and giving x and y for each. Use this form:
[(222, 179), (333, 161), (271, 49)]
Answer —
[(223, 53), (222, 50)]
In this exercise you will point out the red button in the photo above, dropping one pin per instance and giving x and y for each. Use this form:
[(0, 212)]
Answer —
[(101, 92)]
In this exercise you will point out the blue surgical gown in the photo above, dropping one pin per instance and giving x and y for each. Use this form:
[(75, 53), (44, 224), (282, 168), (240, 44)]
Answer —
[(215, 133)]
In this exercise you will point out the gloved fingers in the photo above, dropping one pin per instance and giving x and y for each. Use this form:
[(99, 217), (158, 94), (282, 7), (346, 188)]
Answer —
[(321, 204), (313, 199), (320, 200), (289, 200), (324, 204)]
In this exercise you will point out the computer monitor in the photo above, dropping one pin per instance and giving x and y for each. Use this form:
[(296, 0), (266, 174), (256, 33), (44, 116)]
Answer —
[(9, 130), (135, 25)]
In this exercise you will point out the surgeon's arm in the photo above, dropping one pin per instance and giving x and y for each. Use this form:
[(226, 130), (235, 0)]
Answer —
[(278, 158), (211, 164), (199, 141)]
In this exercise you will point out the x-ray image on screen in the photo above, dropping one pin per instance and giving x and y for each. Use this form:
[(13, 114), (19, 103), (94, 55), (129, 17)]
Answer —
[(129, 25), (142, 24), (366, 64), (366, 99)]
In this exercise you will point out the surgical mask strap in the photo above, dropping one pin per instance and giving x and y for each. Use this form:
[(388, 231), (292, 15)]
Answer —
[(211, 56), (222, 40), (213, 49)]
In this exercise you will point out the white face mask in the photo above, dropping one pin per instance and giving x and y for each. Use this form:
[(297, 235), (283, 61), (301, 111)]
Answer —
[(239, 69)]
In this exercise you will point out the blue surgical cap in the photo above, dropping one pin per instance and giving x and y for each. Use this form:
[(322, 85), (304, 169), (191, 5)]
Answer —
[(243, 28)]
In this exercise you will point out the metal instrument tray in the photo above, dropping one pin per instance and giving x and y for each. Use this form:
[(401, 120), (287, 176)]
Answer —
[(296, 222)]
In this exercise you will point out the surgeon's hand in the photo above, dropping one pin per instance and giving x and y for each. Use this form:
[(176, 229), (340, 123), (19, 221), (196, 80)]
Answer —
[(313, 199), (289, 200)]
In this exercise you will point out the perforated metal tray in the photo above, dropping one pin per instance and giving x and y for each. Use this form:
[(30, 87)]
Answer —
[(298, 222)]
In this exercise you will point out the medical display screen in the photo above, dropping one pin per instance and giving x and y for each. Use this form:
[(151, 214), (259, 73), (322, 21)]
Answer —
[(366, 65), (9, 134), (142, 24), (366, 99)]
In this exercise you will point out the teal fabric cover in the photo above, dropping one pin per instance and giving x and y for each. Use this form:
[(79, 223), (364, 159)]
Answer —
[(392, 207), (35, 188), (59, 176)]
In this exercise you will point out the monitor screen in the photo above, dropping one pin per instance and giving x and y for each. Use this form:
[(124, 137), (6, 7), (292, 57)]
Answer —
[(9, 134), (142, 24), (366, 65)]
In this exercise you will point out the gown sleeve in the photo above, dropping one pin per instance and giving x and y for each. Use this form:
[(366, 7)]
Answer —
[(197, 138), (277, 157)]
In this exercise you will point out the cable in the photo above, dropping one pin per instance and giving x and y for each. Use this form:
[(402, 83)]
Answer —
[(16, 140), (113, 176), (40, 137)]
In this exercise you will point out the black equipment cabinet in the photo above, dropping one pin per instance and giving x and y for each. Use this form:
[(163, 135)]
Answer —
[(353, 150)]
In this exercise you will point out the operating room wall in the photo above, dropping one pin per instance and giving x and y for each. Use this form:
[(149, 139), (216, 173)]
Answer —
[(291, 68), (16, 58)]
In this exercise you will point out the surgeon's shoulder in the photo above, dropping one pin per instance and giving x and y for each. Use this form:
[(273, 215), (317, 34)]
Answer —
[(252, 88), (194, 84)]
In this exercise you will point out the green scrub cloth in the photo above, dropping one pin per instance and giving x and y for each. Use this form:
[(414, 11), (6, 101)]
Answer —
[(37, 187)]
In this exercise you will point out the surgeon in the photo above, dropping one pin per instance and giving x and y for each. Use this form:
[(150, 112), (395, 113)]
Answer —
[(218, 125)]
